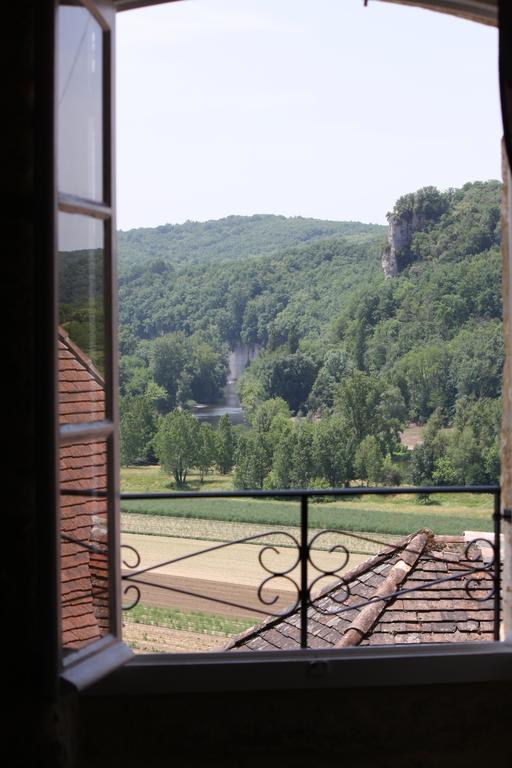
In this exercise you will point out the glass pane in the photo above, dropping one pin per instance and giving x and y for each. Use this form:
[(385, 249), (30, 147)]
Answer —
[(81, 330), (84, 544), (80, 111)]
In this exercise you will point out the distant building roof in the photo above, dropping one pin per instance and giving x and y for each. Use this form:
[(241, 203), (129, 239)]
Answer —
[(355, 611)]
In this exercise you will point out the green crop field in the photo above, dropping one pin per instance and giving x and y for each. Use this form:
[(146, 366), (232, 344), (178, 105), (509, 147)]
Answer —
[(193, 621), (448, 513)]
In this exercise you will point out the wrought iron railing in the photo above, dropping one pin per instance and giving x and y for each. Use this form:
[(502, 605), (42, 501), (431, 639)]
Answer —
[(135, 576)]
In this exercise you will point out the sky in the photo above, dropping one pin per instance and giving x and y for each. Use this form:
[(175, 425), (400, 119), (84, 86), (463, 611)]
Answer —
[(322, 109)]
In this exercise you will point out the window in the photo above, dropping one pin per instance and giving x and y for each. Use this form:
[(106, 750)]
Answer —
[(88, 519), (90, 620)]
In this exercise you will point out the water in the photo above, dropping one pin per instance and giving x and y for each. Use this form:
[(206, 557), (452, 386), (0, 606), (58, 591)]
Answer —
[(230, 405), (239, 358)]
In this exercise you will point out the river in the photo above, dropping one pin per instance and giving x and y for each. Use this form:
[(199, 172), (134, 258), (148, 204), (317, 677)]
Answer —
[(239, 358)]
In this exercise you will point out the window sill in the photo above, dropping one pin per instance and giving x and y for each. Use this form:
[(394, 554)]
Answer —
[(85, 667), (309, 669)]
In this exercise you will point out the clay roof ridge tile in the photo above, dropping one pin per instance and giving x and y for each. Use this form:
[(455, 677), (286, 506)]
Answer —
[(370, 613)]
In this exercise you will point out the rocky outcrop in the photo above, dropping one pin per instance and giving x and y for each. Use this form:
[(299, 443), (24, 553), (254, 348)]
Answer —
[(398, 250), (240, 356), (412, 213)]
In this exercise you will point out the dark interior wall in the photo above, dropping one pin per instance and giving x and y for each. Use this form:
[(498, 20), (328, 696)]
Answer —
[(457, 726), (19, 544), (403, 726), (31, 715)]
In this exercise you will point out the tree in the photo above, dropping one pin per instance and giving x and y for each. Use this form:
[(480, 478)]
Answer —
[(169, 357), (334, 367), (282, 463), (267, 411), (177, 444), (225, 445), (187, 367), (288, 376), (478, 356), (207, 449), (433, 448), (465, 456), (423, 376), (302, 455), (392, 415), (138, 425), (368, 460), (252, 461), (333, 451), (356, 401), (482, 415), (390, 473), (293, 463)]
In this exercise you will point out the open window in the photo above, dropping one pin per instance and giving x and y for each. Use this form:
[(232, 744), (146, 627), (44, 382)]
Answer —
[(90, 611), (86, 369)]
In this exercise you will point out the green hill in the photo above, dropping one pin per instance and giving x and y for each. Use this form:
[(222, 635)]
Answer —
[(232, 238), (359, 352)]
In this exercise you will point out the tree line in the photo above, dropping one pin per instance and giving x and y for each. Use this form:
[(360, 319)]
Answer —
[(359, 441)]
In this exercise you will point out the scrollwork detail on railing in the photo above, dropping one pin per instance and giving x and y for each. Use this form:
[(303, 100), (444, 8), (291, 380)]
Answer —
[(279, 573), (335, 548), (131, 588), (473, 585), (272, 548), (272, 601), (343, 589), (133, 551)]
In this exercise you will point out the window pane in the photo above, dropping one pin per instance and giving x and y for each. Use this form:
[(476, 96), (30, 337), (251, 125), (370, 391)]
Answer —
[(81, 319), (84, 544), (80, 110)]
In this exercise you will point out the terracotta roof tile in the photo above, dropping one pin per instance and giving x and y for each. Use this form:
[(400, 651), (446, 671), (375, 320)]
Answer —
[(83, 466), (445, 612), (81, 385)]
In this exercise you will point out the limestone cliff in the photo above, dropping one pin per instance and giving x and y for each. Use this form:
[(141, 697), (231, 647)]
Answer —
[(412, 213), (398, 250)]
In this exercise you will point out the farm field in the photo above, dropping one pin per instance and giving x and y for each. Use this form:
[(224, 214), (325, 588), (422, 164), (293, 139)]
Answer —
[(150, 629), (223, 583), (225, 579), (400, 515), (149, 638)]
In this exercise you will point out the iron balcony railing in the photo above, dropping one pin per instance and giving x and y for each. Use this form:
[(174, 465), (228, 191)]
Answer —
[(135, 576)]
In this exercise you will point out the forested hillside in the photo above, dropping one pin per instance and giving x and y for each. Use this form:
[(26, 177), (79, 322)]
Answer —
[(232, 238), (354, 354), (265, 299)]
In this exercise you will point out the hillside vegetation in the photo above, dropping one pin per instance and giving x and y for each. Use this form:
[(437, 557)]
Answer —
[(232, 238), (346, 357)]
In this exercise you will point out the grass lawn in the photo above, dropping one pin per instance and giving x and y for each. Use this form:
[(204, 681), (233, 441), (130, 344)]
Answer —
[(451, 514)]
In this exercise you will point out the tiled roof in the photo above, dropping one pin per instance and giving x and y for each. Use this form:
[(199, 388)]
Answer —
[(83, 466), (350, 612), (81, 385)]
